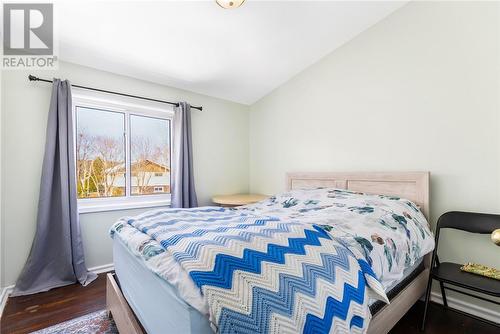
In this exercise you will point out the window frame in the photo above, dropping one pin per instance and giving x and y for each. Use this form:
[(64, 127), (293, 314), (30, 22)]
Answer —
[(128, 107)]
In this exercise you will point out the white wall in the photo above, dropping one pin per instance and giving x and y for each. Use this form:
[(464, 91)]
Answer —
[(1, 215), (220, 140), (418, 91)]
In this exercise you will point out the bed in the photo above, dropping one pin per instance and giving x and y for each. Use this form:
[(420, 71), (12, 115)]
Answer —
[(140, 301)]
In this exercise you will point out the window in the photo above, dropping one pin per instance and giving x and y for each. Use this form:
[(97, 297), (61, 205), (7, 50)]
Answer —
[(150, 154), (100, 153), (122, 153)]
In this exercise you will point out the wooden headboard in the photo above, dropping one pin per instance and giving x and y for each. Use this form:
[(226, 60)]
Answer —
[(411, 185)]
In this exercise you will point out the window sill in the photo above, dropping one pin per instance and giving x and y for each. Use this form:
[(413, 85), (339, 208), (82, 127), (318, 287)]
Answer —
[(120, 205)]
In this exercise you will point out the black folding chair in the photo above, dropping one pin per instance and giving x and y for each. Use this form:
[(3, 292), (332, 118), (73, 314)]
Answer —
[(450, 274)]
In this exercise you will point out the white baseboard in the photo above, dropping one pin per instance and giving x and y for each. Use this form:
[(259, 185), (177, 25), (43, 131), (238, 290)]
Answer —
[(4, 295), (102, 269), (467, 307)]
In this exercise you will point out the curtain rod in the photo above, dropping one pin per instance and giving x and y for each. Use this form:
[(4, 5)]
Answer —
[(34, 78)]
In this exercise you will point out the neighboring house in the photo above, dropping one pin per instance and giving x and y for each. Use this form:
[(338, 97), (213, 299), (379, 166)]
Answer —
[(147, 177)]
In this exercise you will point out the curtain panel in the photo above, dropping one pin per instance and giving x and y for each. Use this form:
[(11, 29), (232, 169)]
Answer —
[(183, 190), (56, 257)]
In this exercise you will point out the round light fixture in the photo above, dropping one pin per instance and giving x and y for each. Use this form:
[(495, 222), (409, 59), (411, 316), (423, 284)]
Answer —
[(495, 237), (229, 4)]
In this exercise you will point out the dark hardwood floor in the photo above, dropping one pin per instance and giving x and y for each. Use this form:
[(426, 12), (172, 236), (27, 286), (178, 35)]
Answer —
[(29, 313), (441, 321)]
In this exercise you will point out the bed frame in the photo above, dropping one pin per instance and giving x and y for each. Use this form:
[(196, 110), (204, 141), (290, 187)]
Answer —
[(411, 185)]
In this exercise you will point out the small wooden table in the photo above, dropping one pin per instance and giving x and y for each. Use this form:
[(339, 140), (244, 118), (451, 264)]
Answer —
[(238, 199)]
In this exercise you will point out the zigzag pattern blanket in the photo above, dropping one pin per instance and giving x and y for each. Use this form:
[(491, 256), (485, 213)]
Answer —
[(257, 273)]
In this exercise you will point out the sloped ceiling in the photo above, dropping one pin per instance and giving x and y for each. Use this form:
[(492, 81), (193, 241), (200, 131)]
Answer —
[(238, 55)]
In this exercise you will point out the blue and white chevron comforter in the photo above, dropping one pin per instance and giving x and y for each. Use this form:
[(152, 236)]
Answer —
[(285, 265)]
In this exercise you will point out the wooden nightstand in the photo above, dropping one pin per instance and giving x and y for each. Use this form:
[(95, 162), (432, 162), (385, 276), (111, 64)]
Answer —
[(237, 200)]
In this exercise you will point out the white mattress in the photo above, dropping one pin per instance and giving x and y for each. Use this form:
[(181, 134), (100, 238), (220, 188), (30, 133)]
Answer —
[(157, 303), (154, 301)]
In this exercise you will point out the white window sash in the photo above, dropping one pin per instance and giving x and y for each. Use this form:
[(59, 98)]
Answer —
[(128, 107), (88, 205)]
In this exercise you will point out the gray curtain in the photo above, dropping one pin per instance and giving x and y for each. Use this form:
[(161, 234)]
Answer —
[(56, 257), (183, 192)]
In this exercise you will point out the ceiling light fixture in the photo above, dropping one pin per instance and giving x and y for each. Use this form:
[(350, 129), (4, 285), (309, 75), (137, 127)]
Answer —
[(229, 4)]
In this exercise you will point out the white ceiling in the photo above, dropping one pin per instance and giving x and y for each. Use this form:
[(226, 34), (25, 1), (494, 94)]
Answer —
[(239, 55)]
